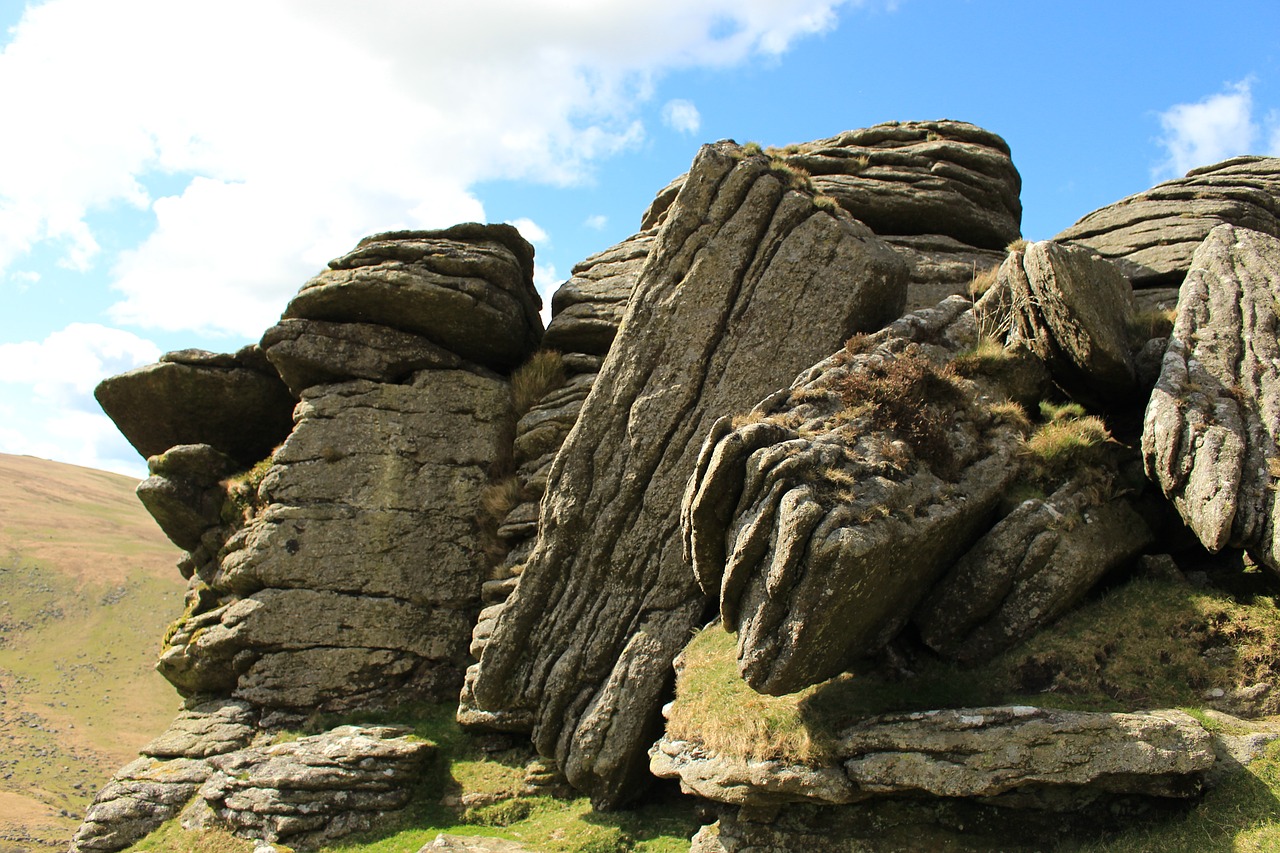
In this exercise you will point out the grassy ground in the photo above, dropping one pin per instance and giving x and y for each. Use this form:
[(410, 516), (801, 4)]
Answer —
[(87, 583), (1147, 644), (473, 787)]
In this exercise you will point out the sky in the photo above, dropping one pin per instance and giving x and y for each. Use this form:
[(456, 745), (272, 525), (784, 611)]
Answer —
[(172, 172)]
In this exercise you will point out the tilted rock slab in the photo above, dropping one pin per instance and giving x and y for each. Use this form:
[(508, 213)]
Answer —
[(468, 289), (920, 177), (819, 528), (1073, 309), (1152, 235), (236, 403), (1010, 754), (359, 581), (317, 788), (748, 282), (1212, 425), (1034, 565)]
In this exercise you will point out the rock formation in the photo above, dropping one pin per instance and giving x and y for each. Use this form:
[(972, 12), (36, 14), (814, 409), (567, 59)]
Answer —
[(730, 413), (1212, 432), (738, 250), (1151, 236)]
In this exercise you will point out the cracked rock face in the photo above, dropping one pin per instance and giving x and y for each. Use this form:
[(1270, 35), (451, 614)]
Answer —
[(1210, 436), (821, 522), (361, 576), (1152, 235), (606, 600), (1015, 755), (468, 289), (921, 177), (314, 789), (1073, 310)]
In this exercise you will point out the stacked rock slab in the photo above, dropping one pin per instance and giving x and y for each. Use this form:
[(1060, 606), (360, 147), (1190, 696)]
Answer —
[(1210, 435), (1151, 236), (944, 194), (344, 570), (358, 578), (748, 279)]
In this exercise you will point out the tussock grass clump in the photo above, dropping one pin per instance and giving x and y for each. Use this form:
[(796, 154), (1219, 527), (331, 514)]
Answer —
[(1018, 245), (983, 281), (1063, 443), (533, 380), (1146, 325), (987, 356), (715, 707), (242, 502), (914, 398), (1013, 414)]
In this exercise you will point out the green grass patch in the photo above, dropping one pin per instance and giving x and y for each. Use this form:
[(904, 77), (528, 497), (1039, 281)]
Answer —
[(471, 787), (1141, 646)]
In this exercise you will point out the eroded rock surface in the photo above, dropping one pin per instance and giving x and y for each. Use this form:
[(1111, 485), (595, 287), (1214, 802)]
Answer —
[(362, 574), (1211, 429), (606, 600), (314, 789), (1152, 235), (1015, 755), (1073, 310), (468, 289), (821, 521), (921, 177), (235, 403)]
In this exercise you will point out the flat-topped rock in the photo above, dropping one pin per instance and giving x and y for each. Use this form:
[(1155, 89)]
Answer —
[(468, 289), (1152, 235), (237, 404), (920, 177)]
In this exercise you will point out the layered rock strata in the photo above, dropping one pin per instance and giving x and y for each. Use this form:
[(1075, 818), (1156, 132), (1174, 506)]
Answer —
[(1210, 434), (1016, 755), (1151, 235), (738, 253), (944, 194)]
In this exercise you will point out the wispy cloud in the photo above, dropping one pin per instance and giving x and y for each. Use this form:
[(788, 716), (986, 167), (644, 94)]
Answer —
[(332, 122), (1212, 129), (681, 116), (596, 222)]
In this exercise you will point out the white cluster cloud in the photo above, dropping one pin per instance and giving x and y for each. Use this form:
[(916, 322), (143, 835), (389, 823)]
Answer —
[(46, 395), (293, 127), (1215, 128), (681, 116)]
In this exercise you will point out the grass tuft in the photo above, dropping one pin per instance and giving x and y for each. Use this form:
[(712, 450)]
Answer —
[(533, 380), (1018, 245), (914, 398)]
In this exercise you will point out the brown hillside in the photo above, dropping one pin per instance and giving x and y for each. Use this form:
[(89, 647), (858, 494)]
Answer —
[(87, 583)]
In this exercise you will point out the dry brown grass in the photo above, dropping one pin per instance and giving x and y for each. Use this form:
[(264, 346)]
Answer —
[(533, 380), (913, 398)]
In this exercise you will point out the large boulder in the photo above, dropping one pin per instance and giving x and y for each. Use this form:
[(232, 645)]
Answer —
[(749, 281), (823, 518), (1152, 235), (587, 308), (468, 289), (235, 403), (1073, 310), (921, 177), (1211, 436), (314, 789)]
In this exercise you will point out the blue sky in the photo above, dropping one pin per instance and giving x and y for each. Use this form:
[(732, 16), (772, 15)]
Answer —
[(171, 173)]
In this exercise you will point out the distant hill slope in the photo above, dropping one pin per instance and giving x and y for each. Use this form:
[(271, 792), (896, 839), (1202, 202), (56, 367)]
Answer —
[(87, 585)]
